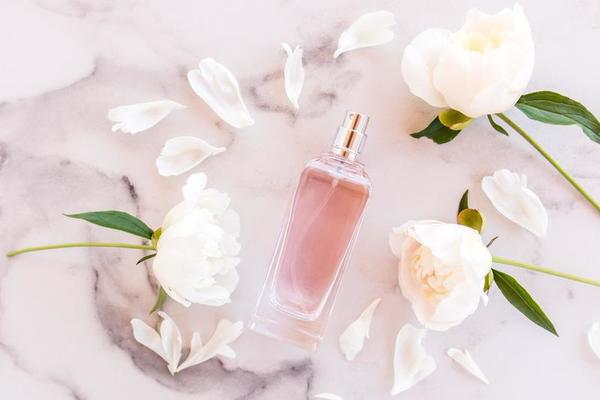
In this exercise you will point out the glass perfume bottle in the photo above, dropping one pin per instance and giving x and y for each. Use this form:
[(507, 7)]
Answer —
[(315, 243)]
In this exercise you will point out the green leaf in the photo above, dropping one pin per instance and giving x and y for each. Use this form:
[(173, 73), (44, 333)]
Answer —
[(464, 202), (554, 108), (491, 242), (489, 279), (437, 132), (118, 220), (497, 127), (522, 301), (141, 260), (160, 300), (471, 218), (454, 120)]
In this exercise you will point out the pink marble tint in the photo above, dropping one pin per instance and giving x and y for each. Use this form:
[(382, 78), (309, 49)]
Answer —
[(325, 213)]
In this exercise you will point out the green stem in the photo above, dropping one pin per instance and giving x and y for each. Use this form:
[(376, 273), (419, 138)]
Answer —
[(79, 244), (537, 268), (547, 156)]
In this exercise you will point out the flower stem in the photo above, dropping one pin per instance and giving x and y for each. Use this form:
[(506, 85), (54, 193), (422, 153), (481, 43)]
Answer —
[(537, 268), (78, 244), (547, 156)]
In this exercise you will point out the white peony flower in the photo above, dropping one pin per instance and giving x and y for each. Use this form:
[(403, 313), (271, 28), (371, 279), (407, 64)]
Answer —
[(293, 73), (483, 68), (198, 247), (217, 86), (135, 118), (182, 153), (441, 271), (509, 194), (371, 29), (412, 364)]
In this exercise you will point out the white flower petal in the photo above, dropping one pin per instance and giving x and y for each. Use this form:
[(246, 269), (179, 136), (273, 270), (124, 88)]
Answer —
[(225, 333), (293, 73), (370, 29), (171, 341), (509, 194), (147, 336), (193, 188), (411, 361), (418, 62), (217, 86), (182, 153), (594, 338), (464, 359), (353, 338), (327, 396), (135, 118)]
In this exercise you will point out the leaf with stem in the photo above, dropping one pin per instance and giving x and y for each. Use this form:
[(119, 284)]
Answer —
[(554, 108), (551, 160), (522, 301), (118, 220)]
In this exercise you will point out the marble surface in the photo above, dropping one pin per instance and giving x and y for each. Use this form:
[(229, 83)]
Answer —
[(64, 315)]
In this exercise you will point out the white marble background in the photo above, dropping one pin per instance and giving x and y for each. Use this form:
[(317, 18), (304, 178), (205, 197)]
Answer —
[(64, 315)]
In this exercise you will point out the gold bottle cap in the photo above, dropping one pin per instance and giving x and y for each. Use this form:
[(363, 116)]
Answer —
[(351, 135)]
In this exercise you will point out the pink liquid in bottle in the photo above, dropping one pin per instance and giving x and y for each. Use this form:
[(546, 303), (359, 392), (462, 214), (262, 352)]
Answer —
[(325, 213), (316, 241)]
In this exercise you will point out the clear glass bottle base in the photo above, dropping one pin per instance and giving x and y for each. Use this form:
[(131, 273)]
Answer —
[(304, 334)]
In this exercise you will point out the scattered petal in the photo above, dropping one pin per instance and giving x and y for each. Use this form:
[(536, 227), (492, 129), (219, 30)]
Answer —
[(353, 338), (594, 338), (371, 29), (182, 153), (293, 73), (167, 344), (328, 396), (509, 194), (464, 359), (171, 341), (135, 118), (147, 336), (225, 333), (217, 86), (411, 362)]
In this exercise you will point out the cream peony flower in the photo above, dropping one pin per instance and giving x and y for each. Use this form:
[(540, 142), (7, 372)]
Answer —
[(483, 68), (198, 247), (442, 270)]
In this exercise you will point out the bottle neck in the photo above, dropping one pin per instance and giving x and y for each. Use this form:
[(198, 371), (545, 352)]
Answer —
[(348, 143), (350, 137)]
